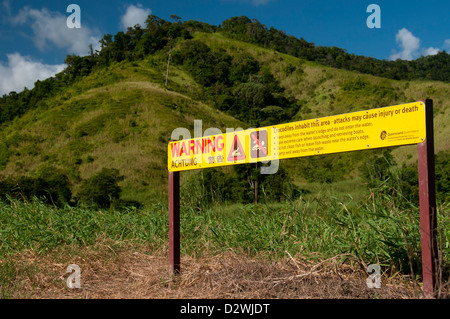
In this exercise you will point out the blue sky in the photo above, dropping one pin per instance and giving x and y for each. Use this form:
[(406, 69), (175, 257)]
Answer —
[(34, 37)]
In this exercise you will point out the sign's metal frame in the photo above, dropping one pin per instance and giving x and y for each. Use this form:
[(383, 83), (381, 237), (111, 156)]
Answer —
[(427, 197)]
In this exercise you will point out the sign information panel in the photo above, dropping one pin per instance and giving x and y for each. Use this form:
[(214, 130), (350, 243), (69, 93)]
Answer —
[(375, 128)]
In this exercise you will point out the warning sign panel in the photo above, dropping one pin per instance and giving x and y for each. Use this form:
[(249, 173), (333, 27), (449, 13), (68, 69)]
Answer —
[(209, 151), (258, 144), (375, 128), (236, 152)]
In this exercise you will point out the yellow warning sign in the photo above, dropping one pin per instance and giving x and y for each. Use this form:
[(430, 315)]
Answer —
[(375, 128), (219, 150)]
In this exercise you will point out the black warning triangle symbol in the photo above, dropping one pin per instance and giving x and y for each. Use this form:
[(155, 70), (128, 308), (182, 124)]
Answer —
[(237, 151)]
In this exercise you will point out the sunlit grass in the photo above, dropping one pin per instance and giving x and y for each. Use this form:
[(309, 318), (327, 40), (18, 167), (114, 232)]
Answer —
[(375, 230)]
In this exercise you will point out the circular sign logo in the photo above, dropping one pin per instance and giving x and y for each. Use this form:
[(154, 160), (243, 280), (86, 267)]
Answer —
[(383, 135)]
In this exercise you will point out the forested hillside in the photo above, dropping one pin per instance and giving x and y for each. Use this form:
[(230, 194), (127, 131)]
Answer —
[(139, 42), (102, 125), (436, 67)]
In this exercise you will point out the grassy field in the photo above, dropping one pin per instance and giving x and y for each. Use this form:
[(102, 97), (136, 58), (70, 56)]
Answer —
[(315, 228)]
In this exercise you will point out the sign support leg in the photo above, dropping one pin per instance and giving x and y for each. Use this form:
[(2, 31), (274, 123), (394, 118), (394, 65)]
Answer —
[(174, 222), (427, 196)]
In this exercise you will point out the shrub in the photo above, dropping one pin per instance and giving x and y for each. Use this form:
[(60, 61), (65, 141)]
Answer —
[(443, 176), (50, 186), (102, 189), (57, 188), (377, 168), (206, 66), (210, 186), (4, 154), (381, 172), (243, 184), (327, 168), (279, 187), (242, 67)]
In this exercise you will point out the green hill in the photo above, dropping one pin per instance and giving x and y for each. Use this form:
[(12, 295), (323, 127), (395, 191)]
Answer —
[(124, 123), (324, 91), (119, 114)]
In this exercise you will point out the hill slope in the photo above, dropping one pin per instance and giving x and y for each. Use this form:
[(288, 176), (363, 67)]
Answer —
[(121, 116), (327, 91), (124, 123)]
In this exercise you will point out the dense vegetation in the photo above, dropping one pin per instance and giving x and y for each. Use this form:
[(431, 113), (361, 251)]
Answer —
[(158, 34), (132, 45), (53, 188), (436, 67), (237, 84), (246, 185), (50, 186)]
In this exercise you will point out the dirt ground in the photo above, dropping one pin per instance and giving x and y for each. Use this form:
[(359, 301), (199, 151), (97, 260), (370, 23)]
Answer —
[(108, 273)]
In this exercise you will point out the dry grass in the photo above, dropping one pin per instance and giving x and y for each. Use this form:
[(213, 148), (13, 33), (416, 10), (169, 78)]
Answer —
[(136, 273)]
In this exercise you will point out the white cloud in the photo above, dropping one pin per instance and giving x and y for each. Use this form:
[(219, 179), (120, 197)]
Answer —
[(135, 15), (430, 51), (408, 43), (410, 46), (22, 72), (447, 45), (50, 28)]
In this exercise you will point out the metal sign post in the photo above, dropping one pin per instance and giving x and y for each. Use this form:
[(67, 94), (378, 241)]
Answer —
[(405, 124), (427, 197), (174, 222)]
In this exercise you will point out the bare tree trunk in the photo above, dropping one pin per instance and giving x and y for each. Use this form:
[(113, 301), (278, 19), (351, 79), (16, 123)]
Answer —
[(256, 192), (168, 65)]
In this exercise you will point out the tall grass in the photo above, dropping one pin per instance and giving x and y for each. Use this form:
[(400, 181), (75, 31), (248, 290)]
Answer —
[(36, 226), (374, 231)]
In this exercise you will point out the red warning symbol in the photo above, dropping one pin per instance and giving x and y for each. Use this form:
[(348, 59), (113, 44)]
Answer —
[(258, 144), (237, 152)]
